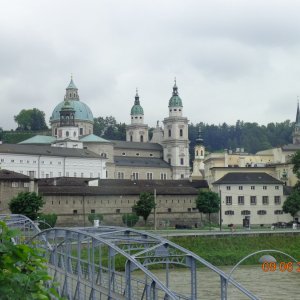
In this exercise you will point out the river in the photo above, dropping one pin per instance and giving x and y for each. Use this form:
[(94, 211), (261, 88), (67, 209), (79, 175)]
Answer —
[(265, 285)]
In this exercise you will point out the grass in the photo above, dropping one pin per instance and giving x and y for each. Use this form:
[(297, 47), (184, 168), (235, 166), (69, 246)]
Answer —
[(230, 249)]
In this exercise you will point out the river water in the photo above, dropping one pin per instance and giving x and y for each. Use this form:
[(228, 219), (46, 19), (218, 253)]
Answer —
[(265, 285)]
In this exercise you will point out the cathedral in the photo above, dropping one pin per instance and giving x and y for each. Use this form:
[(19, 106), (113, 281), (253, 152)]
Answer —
[(163, 157)]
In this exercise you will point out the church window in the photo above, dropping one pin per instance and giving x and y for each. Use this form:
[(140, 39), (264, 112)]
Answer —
[(169, 160), (175, 109), (169, 132), (137, 154), (182, 161), (181, 132), (179, 109), (67, 133), (151, 154), (70, 94), (140, 117), (120, 175), (201, 152), (182, 176), (74, 95), (131, 138), (74, 133), (135, 175), (170, 110), (55, 131), (123, 153), (136, 117), (131, 118), (197, 153), (142, 138), (81, 131), (163, 176)]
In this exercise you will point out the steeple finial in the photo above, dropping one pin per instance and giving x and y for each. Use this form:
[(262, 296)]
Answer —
[(137, 98), (199, 139), (175, 88)]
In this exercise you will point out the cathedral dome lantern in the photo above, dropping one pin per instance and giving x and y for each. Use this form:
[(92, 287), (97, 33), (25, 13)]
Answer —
[(175, 103), (137, 108), (83, 117)]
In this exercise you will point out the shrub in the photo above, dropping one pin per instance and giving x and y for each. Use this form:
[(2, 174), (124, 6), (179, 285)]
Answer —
[(130, 219), (47, 220)]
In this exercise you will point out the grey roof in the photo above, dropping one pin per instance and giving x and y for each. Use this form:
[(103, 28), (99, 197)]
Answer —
[(110, 187), (93, 138), (137, 145), (140, 162), (247, 178), (47, 151), (290, 147), (11, 175)]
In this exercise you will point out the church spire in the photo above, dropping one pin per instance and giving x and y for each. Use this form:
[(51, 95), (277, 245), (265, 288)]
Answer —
[(175, 88), (298, 113), (199, 139)]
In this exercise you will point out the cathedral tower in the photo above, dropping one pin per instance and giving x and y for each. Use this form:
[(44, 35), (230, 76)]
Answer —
[(198, 165), (296, 133), (175, 142), (137, 131)]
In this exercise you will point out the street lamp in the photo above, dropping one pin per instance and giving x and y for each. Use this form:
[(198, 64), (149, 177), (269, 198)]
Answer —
[(264, 258)]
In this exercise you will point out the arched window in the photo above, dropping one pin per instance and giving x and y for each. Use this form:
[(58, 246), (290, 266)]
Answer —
[(169, 132), (197, 153), (142, 138), (67, 133)]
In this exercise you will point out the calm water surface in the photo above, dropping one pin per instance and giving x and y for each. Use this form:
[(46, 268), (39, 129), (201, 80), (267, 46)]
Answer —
[(270, 285)]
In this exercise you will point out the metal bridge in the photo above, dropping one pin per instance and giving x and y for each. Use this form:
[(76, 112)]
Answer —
[(84, 261)]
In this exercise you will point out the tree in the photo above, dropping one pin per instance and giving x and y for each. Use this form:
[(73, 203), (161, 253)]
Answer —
[(31, 119), (130, 219), (208, 202), (108, 128), (144, 205), (23, 271), (27, 204), (292, 204), (47, 220)]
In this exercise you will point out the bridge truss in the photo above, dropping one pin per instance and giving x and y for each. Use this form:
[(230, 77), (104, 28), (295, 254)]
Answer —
[(84, 261)]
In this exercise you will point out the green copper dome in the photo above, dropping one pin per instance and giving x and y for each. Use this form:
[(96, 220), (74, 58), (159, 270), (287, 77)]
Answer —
[(175, 100), (136, 108), (82, 111)]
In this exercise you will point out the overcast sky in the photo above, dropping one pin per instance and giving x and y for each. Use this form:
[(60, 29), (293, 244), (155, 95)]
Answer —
[(232, 59)]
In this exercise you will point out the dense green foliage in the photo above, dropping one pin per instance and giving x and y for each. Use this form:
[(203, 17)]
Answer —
[(130, 219), (108, 128), (31, 119), (208, 202), (26, 203), (250, 136), (292, 204), (144, 205), (23, 272), (92, 217), (47, 220)]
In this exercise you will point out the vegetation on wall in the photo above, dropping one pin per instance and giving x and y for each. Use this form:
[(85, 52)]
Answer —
[(130, 219), (94, 216)]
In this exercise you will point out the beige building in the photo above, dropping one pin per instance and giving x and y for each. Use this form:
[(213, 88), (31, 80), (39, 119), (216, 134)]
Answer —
[(73, 199), (256, 196), (11, 184)]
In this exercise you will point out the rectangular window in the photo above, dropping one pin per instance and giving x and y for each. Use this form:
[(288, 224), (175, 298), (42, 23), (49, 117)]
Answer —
[(163, 176), (2, 159), (228, 200), (169, 132), (264, 187), (26, 184), (75, 212), (118, 210), (182, 161), (149, 176), (169, 210), (15, 184), (169, 161), (253, 200), (228, 187), (135, 175), (276, 187), (252, 187), (92, 211), (81, 131), (277, 200), (240, 187), (265, 200), (120, 175), (241, 200)]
